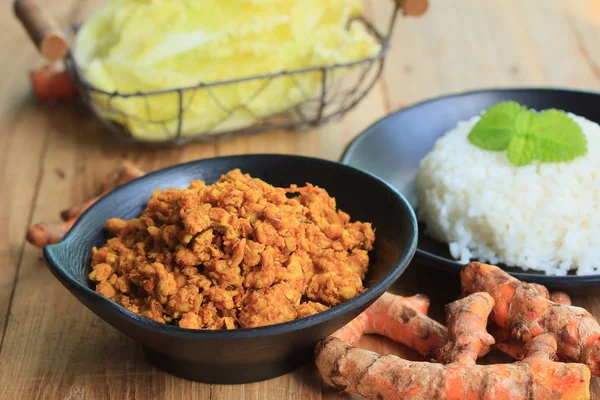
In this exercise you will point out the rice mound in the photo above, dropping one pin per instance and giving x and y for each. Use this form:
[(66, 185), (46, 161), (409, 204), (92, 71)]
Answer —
[(543, 216)]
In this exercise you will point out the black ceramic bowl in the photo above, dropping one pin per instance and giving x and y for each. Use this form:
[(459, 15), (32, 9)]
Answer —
[(242, 355)]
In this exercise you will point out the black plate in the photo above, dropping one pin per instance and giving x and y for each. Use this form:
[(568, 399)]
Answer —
[(393, 147), (242, 355)]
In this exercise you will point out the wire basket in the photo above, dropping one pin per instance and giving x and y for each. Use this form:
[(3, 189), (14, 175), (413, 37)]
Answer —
[(340, 88)]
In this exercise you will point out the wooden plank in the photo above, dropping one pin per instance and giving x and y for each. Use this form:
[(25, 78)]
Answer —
[(19, 179), (23, 137), (56, 345), (584, 22), (475, 45)]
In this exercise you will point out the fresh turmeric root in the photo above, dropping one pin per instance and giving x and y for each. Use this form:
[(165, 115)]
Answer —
[(560, 298), (128, 172), (522, 314), (373, 376), (53, 83), (402, 319), (42, 234), (516, 349), (468, 338)]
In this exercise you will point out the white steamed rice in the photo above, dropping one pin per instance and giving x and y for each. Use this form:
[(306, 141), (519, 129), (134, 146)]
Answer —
[(543, 216)]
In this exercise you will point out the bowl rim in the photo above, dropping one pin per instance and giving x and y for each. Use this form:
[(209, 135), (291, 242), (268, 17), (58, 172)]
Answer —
[(444, 264), (141, 322)]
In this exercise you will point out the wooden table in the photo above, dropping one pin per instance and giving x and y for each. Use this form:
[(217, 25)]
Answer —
[(54, 348)]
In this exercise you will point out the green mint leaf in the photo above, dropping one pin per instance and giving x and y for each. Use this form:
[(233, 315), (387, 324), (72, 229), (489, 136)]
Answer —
[(496, 127), (549, 136), (559, 138), (522, 150), (527, 122)]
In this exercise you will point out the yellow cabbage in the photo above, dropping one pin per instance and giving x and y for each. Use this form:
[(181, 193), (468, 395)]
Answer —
[(133, 46)]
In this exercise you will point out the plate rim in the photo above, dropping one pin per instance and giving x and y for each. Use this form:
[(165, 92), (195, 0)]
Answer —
[(442, 263)]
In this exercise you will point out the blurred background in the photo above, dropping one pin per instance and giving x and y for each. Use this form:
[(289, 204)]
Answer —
[(453, 47)]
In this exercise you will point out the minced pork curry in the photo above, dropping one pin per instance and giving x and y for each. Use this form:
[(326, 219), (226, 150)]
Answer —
[(239, 253)]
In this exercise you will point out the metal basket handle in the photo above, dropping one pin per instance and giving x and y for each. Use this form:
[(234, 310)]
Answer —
[(42, 28)]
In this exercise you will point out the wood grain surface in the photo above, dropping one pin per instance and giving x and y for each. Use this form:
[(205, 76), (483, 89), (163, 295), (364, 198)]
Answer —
[(52, 347)]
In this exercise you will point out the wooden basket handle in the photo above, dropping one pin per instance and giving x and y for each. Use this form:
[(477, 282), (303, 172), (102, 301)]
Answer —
[(414, 8), (42, 29)]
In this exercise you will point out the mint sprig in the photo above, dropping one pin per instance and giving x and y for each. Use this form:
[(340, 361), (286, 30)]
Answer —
[(559, 138), (521, 150), (496, 128), (526, 135)]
